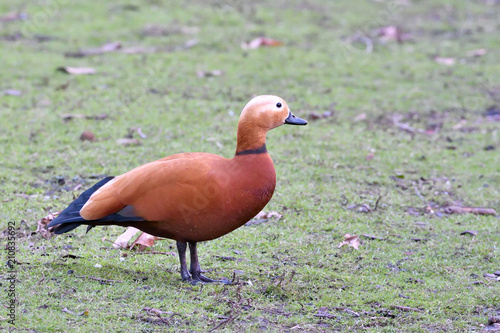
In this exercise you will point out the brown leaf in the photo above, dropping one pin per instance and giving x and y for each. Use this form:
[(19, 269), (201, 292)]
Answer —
[(87, 136), (128, 142), (109, 47), (445, 61), (349, 240), (393, 33), (77, 70), (261, 42), (122, 240), (360, 117), (42, 225), (14, 16), (144, 240), (315, 116), (215, 72), (469, 210), (477, 53)]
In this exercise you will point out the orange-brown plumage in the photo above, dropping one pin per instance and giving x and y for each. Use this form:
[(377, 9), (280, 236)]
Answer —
[(193, 197)]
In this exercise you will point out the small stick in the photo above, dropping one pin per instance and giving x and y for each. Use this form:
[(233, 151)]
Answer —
[(373, 237), (407, 308), (97, 279), (417, 192), (225, 321), (351, 312), (377, 202), (154, 252), (137, 252)]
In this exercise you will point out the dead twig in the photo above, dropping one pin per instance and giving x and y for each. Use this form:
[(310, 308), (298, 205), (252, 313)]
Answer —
[(97, 279), (158, 313), (352, 312), (155, 252), (469, 210), (406, 308), (377, 202), (373, 237)]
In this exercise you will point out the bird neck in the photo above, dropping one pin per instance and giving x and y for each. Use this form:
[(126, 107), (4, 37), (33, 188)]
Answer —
[(250, 140)]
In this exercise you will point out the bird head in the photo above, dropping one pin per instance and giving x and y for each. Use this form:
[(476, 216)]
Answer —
[(268, 112)]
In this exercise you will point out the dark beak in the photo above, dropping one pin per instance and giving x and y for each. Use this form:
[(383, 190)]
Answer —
[(292, 120)]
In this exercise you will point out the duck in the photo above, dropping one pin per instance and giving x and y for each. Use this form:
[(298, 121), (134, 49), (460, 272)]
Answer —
[(190, 197)]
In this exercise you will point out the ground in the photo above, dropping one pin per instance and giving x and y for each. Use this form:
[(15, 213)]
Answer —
[(403, 123)]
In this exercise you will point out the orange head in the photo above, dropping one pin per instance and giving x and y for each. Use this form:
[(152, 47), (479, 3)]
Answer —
[(268, 112)]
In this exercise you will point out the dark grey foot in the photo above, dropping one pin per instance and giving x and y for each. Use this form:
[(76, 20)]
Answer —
[(198, 277), (194, 275)]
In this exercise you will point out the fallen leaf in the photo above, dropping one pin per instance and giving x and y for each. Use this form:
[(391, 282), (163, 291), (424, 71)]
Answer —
[(477, 53), (67, 311), (469, 210), (77, 70), (469, 232), (393, 33), (42, 225), (215, 72), (315, 116), (155, 30), (122, 240), (349, 240), (324, 315), (144, 240), (12, 92), (363, 208), (262, 217), (489, 275), (141, 134), (14, 16), (71, 256), (260, 42), (445, 61), (128, 142), (84, 313), (109, 47), (360, 117), (268, 215), (87, 136), (493, 113), (145, 50)]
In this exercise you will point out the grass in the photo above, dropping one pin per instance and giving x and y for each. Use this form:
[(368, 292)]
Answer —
[(292, 275)]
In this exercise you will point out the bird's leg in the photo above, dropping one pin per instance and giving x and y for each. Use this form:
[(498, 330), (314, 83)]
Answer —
[(181, 247), (195, 266)]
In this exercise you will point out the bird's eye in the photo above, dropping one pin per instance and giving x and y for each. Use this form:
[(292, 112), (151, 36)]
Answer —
[(278, 105)]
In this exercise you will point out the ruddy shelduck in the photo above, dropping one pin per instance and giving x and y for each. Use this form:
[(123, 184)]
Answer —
[(190, 197)]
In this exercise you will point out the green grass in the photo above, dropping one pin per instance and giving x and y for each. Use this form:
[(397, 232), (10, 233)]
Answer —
[(322, 169)]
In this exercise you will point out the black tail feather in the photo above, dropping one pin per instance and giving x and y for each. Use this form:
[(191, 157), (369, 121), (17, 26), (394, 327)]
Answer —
[(70, 218)]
